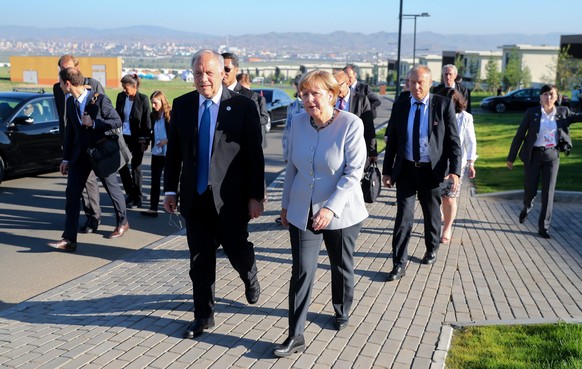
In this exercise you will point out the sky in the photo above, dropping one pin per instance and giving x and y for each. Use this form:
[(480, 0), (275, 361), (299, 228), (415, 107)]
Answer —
[(230, 17)]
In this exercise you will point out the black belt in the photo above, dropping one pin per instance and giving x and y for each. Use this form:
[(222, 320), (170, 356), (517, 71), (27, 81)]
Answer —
[(543, 148), (418, 164)]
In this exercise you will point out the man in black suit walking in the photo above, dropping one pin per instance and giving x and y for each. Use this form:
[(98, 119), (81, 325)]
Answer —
[(215, 162), (230, 72), (89, 117), (449, 76), (362, 88), (423, 143), (358, 104), (91, 194)]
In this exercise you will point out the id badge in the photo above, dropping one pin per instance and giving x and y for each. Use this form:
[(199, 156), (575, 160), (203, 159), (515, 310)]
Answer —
[(550, 138)]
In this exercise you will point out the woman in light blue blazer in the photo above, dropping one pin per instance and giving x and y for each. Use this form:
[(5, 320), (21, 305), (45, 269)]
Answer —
[(322, 201)]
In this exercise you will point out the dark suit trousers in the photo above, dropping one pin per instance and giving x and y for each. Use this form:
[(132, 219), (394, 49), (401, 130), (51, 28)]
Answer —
[(206, 231), (305, 246), (411, 182), (90, 198), (133, 180), (545, 163), (78, 173), (157, 168)]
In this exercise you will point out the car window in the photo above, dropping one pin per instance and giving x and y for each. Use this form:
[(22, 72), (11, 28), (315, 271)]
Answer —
[(521, 93), (7, 108), (281, 96), (41, 110), (267, 94)]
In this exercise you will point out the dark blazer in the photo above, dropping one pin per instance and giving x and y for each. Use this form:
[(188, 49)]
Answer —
[(360, 106), (237, 165), (365, 90), (79, 138), (139, 119), (459, 87), (261, 106), (529, 128), (444, 147), (60, 100)]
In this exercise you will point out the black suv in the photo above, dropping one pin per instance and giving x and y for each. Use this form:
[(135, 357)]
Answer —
[(29, 133), (277, 103)]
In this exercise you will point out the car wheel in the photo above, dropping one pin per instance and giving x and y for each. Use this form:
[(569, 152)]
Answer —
[(500, 108), (268, 125), (2, 169)]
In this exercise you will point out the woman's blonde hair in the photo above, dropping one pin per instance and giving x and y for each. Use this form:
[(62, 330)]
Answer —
[(323, 79)]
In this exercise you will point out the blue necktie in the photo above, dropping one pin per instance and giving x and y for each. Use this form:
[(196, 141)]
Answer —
[(416, 133), (204, 148)]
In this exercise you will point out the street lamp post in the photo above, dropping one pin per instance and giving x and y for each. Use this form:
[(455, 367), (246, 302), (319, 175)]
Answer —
[(414, 40)]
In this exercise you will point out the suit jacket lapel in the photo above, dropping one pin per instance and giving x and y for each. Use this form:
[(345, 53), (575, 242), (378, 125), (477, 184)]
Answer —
[(431, 116), (226, 94)]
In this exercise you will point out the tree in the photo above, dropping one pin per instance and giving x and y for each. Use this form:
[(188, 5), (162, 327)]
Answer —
[(568, 70), (492, 74), (513, 75), (460, 65)]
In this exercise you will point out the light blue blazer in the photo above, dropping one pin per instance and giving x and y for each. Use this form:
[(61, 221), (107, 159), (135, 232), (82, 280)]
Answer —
[(324, 169)]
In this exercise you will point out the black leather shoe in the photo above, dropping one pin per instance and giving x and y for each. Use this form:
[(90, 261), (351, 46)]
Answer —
[(197, 327), (90, 226), (522, 215), (291, 345), (544, 233), (340, 322), (429, 257), (253, 293), (396, 273), (64, 245)]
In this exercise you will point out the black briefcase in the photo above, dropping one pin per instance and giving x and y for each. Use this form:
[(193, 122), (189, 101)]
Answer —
[(371, 183)]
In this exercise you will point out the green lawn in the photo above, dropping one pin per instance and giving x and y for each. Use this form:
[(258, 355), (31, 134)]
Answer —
[(547, 346)]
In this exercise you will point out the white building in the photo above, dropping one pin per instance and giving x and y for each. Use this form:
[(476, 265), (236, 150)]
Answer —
[(541, 61)]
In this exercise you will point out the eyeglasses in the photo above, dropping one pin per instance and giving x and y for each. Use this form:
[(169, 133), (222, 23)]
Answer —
[(227, 69)]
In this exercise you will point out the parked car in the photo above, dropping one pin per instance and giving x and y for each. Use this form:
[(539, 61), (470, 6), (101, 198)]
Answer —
[(29, 134), (518, 100), (277, 103)]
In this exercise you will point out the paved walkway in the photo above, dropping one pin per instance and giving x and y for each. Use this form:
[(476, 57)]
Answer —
[(131, 313)]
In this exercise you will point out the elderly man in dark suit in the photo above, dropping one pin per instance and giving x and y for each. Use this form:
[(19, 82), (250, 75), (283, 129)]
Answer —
[(423, 142), (449, 76), (91, 194), (357, 104), (89, 117), (230, 72), (362, 88), (215, 160)]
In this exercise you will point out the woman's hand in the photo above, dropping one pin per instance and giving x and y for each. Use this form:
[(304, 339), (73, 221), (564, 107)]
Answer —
[(284, 221), (322, 218)]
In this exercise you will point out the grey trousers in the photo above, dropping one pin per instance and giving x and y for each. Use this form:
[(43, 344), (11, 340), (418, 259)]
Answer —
[(305, 247), (545, 164)]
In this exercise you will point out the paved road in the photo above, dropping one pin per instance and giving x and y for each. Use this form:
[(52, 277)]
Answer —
[(131, 313), (32, 213)]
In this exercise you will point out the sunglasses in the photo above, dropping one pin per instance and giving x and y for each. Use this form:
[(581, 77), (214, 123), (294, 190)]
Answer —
[(227, 69)]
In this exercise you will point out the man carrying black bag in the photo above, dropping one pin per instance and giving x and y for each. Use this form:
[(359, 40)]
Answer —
[(88, 121)]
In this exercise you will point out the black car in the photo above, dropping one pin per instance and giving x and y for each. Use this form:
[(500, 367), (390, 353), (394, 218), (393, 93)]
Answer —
[(277, 103), (29, 134), (518, 100)]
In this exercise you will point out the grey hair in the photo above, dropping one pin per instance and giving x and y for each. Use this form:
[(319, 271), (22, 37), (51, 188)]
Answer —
[(452, 66), (216, 56), (418, 69)]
